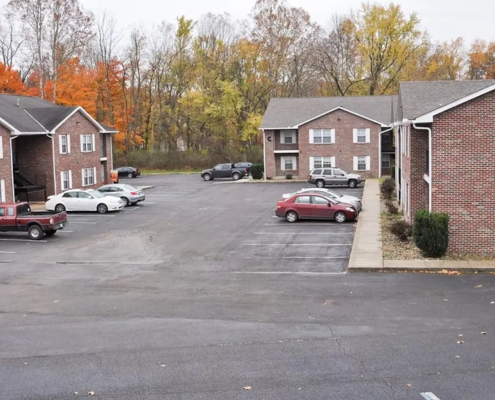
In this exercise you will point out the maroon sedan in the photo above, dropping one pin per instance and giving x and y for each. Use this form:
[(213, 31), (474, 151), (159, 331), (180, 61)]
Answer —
[(314, 206)]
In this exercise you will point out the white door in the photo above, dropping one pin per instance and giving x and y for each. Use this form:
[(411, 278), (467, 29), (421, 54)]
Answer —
[(86, 202), (70, 201)]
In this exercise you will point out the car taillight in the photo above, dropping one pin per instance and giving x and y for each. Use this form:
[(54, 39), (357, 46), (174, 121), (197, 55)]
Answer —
[(245, 170), (134, 193), (309, 177), (135, 170), (48, 198)]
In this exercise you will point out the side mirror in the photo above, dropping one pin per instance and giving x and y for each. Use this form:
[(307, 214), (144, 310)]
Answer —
[(329, 204)]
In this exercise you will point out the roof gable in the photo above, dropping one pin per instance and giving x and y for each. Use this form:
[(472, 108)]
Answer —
[(420, 99), (284, 113)]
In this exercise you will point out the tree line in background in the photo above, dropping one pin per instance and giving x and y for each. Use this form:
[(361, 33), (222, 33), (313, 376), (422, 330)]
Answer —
[(188, 93)]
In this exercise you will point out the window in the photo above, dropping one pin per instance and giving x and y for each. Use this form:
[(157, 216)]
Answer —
[(88, 176), (338, 172), (87, 143), (322, 162), (317, 172), (64, 179), (10, 211), (225, 167), (362, 163), (2, 212), (327, 172), (64, 142), (361, 135), (303, 200), (319, 200), (288, 137), (322, 136), (84, 195), (386, 137), (385, 160), (71, 195), (288, 163)]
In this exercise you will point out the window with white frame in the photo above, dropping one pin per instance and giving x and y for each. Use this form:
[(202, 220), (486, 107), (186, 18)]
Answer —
[(288, 163), (1, 147), (88, 176), (288, 137), (87, 143), (321, 162), (322, 136), (361, 136), (64, 144), (64, 180), (385, 160), (362, 163)]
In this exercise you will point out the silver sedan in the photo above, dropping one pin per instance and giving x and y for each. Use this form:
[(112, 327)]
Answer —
[(129, 194)]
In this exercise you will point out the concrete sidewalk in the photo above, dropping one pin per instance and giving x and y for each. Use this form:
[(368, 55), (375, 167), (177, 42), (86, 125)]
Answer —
[(366, 253)]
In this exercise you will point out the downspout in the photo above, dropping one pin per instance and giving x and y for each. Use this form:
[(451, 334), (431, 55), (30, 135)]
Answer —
[(53, 158), (264, 155), (380, 150), (424, 128), (12, 167)]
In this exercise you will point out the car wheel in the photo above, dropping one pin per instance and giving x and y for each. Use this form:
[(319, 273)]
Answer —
[(59, 208), (102, 208), (51, 233), (129, 175), (320, 183), (352, 183), (125, 200), (340, 217), (35, 232), (236, 177), (207, 177), (291, 216)]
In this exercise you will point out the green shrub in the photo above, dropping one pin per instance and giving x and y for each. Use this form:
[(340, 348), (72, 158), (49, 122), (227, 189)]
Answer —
[(387, 188), (391, 207), (402, 230), (257, 171), (431, 233), (392, 171)]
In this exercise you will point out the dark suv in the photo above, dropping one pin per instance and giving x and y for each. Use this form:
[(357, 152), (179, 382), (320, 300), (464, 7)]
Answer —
[(322, 177)]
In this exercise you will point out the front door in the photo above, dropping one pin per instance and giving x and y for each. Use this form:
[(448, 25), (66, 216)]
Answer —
[(328, 176), (321, 208), (339, 177), (7, 218), (86, 202)]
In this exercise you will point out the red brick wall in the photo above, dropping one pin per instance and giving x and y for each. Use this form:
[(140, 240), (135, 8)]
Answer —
[(278, 165), (419, 197), (464, 174), (344, 150), (270, 167), (6, 164)]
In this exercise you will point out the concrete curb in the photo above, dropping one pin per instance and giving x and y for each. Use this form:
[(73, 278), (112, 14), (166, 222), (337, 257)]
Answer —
[(262, 181)]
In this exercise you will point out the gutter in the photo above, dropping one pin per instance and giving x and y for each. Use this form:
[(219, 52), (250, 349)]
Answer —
[(424, 128), (53, 157)]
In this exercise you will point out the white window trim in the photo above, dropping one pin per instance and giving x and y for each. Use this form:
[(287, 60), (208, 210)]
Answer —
[(367, 138), (2, 190), (294, 163), (367, 165), (1, 148), (293, 134), (312, 136), (62, 180), (93, 144), (67, 143), (312, 162), (94, 176)]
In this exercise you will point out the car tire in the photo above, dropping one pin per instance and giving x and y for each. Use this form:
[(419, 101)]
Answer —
[(340, 217), (320, 183), (352, 183), (35, 232), (236, 176), (291, 216), (129, 175), (59, 208), (51, 233), (207, 177), (102, 208), (125, 200)]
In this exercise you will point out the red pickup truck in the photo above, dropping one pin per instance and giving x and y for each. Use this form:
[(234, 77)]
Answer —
[(19, 217)]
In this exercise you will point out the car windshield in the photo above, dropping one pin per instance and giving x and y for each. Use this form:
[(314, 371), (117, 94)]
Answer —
[(96, 194)]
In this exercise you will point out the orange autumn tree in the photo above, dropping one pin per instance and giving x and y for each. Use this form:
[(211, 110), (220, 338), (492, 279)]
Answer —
[(10, 82)]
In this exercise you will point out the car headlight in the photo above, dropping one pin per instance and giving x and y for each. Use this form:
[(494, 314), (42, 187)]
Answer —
[(350, 209)]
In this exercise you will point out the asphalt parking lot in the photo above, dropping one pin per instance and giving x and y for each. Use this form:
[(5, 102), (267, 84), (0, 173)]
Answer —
[(224, 225)]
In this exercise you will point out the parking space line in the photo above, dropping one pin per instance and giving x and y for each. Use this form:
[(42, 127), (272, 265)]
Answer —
[(289, 273), (302, 258), (429, 396), (297, 244), (89, 215), (82, 222), (132, 209), (7, 252), (23, 240), (303, 233), (61, 231)]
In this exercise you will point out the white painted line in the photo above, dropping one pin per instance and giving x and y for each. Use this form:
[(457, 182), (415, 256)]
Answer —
[(133, 209), (299, 258), (23, 240), (288, 273), (90, 215), (429, 396), (81, 222), (7, 252), (297, 244), (61, 231), (303, 233)]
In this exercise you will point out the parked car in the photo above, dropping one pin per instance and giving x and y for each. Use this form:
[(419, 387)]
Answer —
[(129, 172), (223, 171), (127, 193), (18, 217), (83, 200), (322, 177), (314, 206), (354, 201), (246, 165)]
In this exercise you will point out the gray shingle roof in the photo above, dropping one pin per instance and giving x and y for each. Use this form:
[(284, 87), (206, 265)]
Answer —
[(292, 111), (32, 114), (420, 98)]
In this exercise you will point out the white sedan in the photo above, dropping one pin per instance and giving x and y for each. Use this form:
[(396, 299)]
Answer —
[(343, 198), (83, 200)]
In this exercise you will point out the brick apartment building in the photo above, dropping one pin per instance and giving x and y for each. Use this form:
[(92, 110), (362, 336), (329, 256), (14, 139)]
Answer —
[(352, 133), (46, 149), (445, 143)]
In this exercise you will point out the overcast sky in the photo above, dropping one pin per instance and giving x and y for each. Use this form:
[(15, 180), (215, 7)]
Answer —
[(444, 19)]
